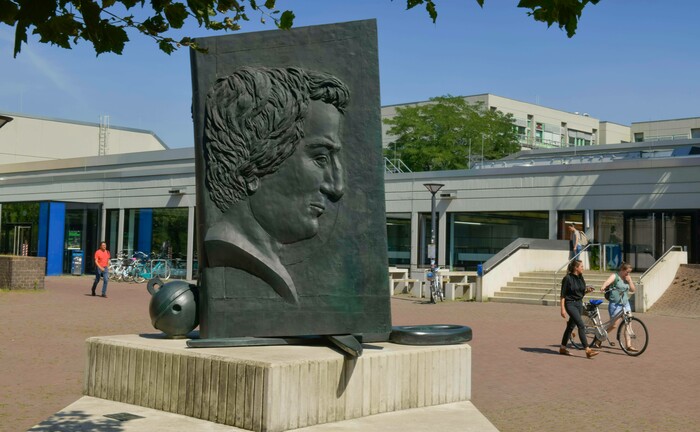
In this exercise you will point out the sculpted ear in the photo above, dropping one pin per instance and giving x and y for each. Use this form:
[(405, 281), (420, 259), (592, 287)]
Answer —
[(252, 185)]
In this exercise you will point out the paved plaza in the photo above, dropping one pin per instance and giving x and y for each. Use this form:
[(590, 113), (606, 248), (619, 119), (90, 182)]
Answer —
[(520, 383)]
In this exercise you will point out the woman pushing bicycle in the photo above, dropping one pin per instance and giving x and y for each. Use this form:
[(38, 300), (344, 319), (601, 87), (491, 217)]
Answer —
[(619, 285), (573, 288)]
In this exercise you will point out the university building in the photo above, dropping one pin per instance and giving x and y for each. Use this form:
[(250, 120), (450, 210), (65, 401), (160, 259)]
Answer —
[(64, 186)]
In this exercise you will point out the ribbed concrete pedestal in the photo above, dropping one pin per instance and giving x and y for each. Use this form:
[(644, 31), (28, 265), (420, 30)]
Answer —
[(274, 388)]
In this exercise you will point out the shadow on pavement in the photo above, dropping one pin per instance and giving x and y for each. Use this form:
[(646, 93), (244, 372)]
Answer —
[(77, 421), (541, 350)]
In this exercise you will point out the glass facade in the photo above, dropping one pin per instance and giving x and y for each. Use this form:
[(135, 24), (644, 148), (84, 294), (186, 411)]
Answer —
[(398, 233), (160, 232), (20, 233), (473, 238), (81, 235), (641, 238), (112, 231)]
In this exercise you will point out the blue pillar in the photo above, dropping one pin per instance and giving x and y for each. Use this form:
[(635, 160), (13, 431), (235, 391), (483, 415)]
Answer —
[(145, 230), (55, 238)]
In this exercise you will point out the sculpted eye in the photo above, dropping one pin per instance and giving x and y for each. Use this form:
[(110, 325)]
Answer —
[(321, 160)]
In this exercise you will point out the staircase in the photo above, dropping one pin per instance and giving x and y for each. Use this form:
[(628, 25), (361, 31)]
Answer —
[(541, 288)]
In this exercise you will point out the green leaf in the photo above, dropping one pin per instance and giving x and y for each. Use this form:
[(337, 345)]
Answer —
[(58, 30), (155, 25), (176, 14), (20, 36), (8, 12), (430, 7), (286, 20), (167, 46), (565, 13), (106, 37), (270, 4)]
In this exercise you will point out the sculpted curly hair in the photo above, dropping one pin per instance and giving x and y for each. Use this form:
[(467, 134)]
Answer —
[(254, 122)]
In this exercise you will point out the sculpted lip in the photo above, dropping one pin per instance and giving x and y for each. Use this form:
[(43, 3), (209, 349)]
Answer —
[(317, 208)]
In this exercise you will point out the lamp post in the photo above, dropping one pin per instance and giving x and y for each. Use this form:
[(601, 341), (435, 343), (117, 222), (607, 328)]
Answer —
[(433, 188)]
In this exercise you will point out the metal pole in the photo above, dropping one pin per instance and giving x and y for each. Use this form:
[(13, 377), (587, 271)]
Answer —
[(432, 220)]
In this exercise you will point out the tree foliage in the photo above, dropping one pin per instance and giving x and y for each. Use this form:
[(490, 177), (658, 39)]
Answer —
[(565, 13), (104, 23), (443, 134)]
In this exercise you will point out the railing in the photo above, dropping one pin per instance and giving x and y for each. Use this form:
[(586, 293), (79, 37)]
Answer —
[(395, 166), (501, 256), (555, 284), (660, 260)]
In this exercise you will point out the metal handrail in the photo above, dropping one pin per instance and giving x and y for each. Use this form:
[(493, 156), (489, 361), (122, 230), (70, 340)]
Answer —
[(660, 259), (554, 276), (503, 256)]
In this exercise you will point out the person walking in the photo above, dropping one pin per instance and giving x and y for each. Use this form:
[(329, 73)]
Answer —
[(574, 243), (620, 285), (573, 288), (101, 268)]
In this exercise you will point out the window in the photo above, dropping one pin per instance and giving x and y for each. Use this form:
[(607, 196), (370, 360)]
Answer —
[(473, 238), (398, 232)]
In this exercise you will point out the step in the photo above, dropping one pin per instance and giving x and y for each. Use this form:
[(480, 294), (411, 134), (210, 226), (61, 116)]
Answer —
[(538, 295), (542, 302), (543, 288)]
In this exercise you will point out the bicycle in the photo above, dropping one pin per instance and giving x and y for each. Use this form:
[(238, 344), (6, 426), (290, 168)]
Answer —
[(433, 276), (631, 332)]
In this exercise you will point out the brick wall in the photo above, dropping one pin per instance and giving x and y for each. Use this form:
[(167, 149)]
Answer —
[(19, 272)]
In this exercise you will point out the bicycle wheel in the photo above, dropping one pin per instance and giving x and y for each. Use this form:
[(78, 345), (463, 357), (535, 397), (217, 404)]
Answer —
[(113, 273), (139, 270), (590, 333), (128, 274), (441, 293), (432, 292), (164, 271), (636, 332)]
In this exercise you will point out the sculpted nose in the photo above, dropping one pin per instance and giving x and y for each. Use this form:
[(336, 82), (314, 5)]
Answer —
[(333, 185)]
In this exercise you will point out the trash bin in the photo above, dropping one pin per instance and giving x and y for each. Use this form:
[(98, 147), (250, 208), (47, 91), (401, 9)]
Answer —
[(76, 262)]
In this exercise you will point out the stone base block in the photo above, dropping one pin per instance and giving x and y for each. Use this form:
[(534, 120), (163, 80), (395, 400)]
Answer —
[(274, 388)]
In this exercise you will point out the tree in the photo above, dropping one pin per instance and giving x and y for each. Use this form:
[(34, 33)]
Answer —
[(442, 134), (104, 22)]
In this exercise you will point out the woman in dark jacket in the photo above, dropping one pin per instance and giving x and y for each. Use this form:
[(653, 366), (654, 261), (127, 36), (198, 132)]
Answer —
[(573, 288)]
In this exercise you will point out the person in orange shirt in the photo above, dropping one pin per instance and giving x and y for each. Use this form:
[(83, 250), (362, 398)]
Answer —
[(101, 268)]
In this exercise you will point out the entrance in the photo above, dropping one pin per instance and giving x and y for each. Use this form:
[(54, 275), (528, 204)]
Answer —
[(650, 235)]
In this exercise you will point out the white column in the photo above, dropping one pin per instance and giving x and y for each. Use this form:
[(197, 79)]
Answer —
[(414, 240), (553, 224), (103, 228), (442, 233), (120, 231)]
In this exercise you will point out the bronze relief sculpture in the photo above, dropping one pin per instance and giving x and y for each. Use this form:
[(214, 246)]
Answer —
[(291, 228), (272, 147)]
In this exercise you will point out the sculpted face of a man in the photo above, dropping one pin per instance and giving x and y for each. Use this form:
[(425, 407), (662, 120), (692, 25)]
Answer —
[(288, 203)]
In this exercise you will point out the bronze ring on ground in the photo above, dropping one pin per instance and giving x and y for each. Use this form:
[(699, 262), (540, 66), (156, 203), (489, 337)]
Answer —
[(432, 334)]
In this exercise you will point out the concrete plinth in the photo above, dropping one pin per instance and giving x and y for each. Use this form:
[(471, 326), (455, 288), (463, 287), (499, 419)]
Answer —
[(274, 388)]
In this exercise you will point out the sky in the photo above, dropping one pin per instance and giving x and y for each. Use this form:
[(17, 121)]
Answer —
[(630, 61)]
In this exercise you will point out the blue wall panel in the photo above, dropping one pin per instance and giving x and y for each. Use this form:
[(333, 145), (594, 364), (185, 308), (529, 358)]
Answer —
[(145, 230), (56, 236)]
